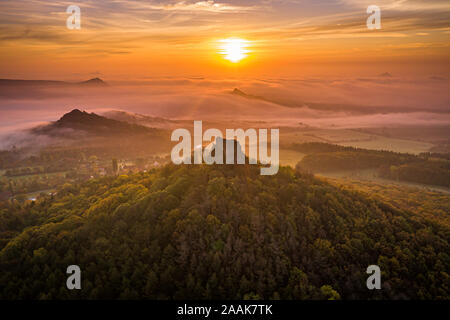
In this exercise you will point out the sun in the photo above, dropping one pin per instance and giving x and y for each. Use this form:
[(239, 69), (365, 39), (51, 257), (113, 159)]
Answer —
[(234, 49)]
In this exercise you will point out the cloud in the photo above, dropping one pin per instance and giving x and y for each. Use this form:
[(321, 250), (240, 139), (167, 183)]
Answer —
[(208, 5), (148, 32), (42, 20), (402, 5)]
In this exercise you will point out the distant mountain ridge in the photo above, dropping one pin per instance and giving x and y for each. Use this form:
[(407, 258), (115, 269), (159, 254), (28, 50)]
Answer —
[(293, 103), (279, 101), (18, 82)]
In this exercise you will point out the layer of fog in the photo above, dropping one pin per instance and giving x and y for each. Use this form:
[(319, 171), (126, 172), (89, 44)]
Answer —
[(334, 103)]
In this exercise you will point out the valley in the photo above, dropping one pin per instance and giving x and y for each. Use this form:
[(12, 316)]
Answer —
[(83, 146)]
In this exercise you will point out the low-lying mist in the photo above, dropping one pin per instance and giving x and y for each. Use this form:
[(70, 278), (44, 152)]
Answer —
[(335, 103)]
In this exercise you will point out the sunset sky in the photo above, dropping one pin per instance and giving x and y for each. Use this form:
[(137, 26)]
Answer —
[(130, 39)]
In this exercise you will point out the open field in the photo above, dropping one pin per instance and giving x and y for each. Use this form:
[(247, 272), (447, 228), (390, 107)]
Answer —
[(389, 144), (370, 176), (290, 157), (353, 138), (433, 134), (430, 202)]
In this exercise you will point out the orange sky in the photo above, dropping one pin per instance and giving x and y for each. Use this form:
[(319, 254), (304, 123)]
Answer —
[(131, 39)]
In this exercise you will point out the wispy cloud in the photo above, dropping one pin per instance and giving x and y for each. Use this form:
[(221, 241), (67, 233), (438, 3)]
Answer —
[(157, 27), (402, 5), (208, 5)]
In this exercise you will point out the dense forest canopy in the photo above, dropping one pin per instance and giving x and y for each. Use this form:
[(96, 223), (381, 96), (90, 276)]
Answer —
[(208, 232)]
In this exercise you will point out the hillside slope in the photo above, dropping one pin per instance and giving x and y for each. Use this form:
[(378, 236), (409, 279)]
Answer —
[(198, 232)]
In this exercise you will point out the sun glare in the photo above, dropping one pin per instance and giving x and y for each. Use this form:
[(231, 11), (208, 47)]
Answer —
[(234, 49)]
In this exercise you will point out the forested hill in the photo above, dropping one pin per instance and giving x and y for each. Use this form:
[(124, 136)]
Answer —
[(90, 123), (198, 232)]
